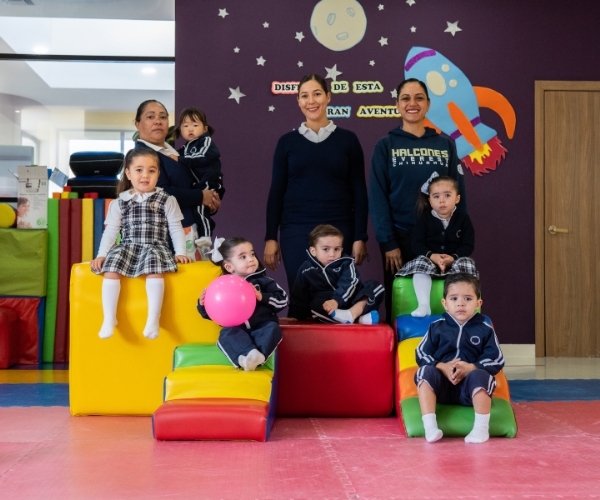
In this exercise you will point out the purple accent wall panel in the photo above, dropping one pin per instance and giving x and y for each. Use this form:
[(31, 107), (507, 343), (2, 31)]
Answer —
[(503, 45)]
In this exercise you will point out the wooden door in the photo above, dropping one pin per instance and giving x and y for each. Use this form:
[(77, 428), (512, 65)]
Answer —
[(569, 219)]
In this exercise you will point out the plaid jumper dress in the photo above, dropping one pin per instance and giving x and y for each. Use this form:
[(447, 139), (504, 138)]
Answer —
[(144, 231)]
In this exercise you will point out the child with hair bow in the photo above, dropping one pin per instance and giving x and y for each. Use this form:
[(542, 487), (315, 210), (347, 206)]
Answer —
[(248, 345)]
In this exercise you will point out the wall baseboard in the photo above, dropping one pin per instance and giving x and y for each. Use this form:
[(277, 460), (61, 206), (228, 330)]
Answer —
[(518, 354)]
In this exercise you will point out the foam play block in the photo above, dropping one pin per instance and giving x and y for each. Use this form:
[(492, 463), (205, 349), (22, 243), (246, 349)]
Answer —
[(52, 283), (64, 270), (9, 327), (25, 340), (335, 370), (453, 420), (404, 300), (124, 374), (218, 382), (198, 354), (87, 230), (408, 327), (212, 419), (23, 262)]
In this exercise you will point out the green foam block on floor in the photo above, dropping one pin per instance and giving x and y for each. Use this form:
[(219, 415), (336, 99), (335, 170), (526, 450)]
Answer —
[(205, 354), (457, 421)]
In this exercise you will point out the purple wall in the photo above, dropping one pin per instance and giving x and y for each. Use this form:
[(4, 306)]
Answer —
[(504, 45)]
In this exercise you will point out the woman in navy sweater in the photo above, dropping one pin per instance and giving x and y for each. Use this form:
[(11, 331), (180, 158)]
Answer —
[(152, 123), (318, 178)]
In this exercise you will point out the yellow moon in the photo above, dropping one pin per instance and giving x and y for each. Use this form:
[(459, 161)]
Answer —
[(338, 24)]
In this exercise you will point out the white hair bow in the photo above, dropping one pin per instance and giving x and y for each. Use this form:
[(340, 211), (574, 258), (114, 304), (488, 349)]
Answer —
[(216, 256), (425, 187)]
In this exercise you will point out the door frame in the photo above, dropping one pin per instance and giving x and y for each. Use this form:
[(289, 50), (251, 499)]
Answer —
[(541, 87)]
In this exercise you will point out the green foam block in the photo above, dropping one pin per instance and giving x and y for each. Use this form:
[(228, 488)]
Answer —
[(52, 283), (206, 354), (23, 262), (457, 421), (404, 300)]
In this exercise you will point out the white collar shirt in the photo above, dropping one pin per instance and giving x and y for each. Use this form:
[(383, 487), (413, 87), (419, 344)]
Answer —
[(312, 136)]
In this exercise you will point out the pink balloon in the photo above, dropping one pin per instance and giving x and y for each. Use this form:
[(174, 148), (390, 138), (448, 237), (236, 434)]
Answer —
[(230, 300)]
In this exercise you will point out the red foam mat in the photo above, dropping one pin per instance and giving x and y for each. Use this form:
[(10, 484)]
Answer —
[(211, 419), (335, 370)]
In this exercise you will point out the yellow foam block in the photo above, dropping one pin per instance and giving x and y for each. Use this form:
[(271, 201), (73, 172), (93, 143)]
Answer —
[(218, 382), (406, 353), (124, 374)]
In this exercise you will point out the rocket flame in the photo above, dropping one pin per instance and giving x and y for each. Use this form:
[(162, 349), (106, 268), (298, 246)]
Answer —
[(487, 159)]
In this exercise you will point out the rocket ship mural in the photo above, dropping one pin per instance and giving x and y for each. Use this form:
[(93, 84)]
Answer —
[(455, 107)]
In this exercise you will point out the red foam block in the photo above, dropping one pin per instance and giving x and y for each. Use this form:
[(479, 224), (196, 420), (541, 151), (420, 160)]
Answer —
[(24, 335), (335, 370), (9, 329), (211, 419)]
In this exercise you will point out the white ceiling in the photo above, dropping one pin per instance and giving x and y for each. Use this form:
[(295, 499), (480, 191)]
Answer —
[(118, 28)]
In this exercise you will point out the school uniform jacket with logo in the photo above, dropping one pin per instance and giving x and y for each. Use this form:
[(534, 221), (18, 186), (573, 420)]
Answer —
[(274, 299), (474, 342), (338, 280)]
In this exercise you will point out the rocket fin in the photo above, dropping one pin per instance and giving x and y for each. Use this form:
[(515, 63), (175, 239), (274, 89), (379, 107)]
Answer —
[(463, 124), (488, 98)]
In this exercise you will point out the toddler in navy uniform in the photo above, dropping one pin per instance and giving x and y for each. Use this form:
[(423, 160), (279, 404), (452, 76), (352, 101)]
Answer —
[(458, 358), (146, 215), (251, 344), (202, 156), (443, 239), (328, 287)]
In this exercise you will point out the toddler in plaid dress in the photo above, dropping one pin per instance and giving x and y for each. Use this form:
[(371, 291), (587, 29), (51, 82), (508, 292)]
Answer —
[(443, 239), (145, 215)]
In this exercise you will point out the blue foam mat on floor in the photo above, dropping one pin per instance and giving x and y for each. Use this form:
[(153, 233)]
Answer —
[(554, 390), (34, 395)]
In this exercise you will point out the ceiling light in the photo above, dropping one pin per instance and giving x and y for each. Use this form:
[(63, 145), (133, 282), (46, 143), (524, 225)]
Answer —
[(149, 70), (40, 49)]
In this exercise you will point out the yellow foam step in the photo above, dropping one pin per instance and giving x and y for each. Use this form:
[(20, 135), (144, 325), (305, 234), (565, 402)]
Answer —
[(218, 382)]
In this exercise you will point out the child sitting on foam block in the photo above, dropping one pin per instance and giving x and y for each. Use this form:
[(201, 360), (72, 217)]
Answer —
[(328, 286), (459, 357)]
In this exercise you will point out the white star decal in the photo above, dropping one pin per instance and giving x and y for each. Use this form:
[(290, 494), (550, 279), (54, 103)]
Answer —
[(452, 28), (236, 50), (223, 13), (271, 108), (394, 94), (300, 64), (260, 61), (383, 41), (410, 2), (413, 29), (265, 24), (299, 36), (236, 94), (333, 73), (372, 63), (380, 7)]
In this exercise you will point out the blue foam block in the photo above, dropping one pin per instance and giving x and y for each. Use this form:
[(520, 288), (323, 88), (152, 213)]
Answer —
[(409, 327)]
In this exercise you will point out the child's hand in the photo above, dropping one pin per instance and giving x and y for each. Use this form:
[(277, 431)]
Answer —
[(182, 259), (461, 369), (437, 259), (330, 306), (202, 295), (211, 199), (97, 263), (448, 370), (175, 157), (258, 295), (447, 260)]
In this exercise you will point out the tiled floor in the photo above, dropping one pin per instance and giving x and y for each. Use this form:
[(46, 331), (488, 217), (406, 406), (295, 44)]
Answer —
[(46, 453)]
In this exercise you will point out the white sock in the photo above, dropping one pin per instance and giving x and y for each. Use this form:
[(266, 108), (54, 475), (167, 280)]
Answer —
[(155, 289), (253, 359), (481, 429), (242, 362), (110, 298), (422, 285), (432, 432), (342, 316), (371, 318)]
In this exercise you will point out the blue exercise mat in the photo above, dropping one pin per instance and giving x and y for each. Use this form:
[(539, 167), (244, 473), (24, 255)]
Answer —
[(554, 390), (34, 395)]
